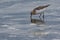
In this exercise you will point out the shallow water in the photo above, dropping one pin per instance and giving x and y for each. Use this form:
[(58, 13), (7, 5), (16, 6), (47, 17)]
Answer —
[(20, 27), (15, 25)]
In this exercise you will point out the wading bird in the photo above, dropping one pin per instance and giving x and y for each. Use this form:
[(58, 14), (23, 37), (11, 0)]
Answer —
[(33, 12)]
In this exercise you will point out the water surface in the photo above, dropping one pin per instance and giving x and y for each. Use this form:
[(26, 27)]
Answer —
[(16, 24)]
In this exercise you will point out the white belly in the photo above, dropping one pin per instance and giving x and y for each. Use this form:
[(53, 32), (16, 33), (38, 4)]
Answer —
[(40, 11)]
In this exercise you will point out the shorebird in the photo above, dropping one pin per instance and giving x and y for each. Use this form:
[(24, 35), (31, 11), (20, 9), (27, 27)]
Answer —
[(33, 12)]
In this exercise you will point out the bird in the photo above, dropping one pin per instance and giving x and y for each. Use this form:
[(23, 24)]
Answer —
[(33, 12)]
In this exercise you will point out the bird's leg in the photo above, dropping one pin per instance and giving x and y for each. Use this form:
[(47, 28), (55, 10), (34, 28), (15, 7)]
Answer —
[(43, 15), (40, 16), (31, 15)]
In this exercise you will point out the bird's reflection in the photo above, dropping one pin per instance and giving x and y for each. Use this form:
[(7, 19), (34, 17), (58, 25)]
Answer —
[(39, 32), (37, 21)]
